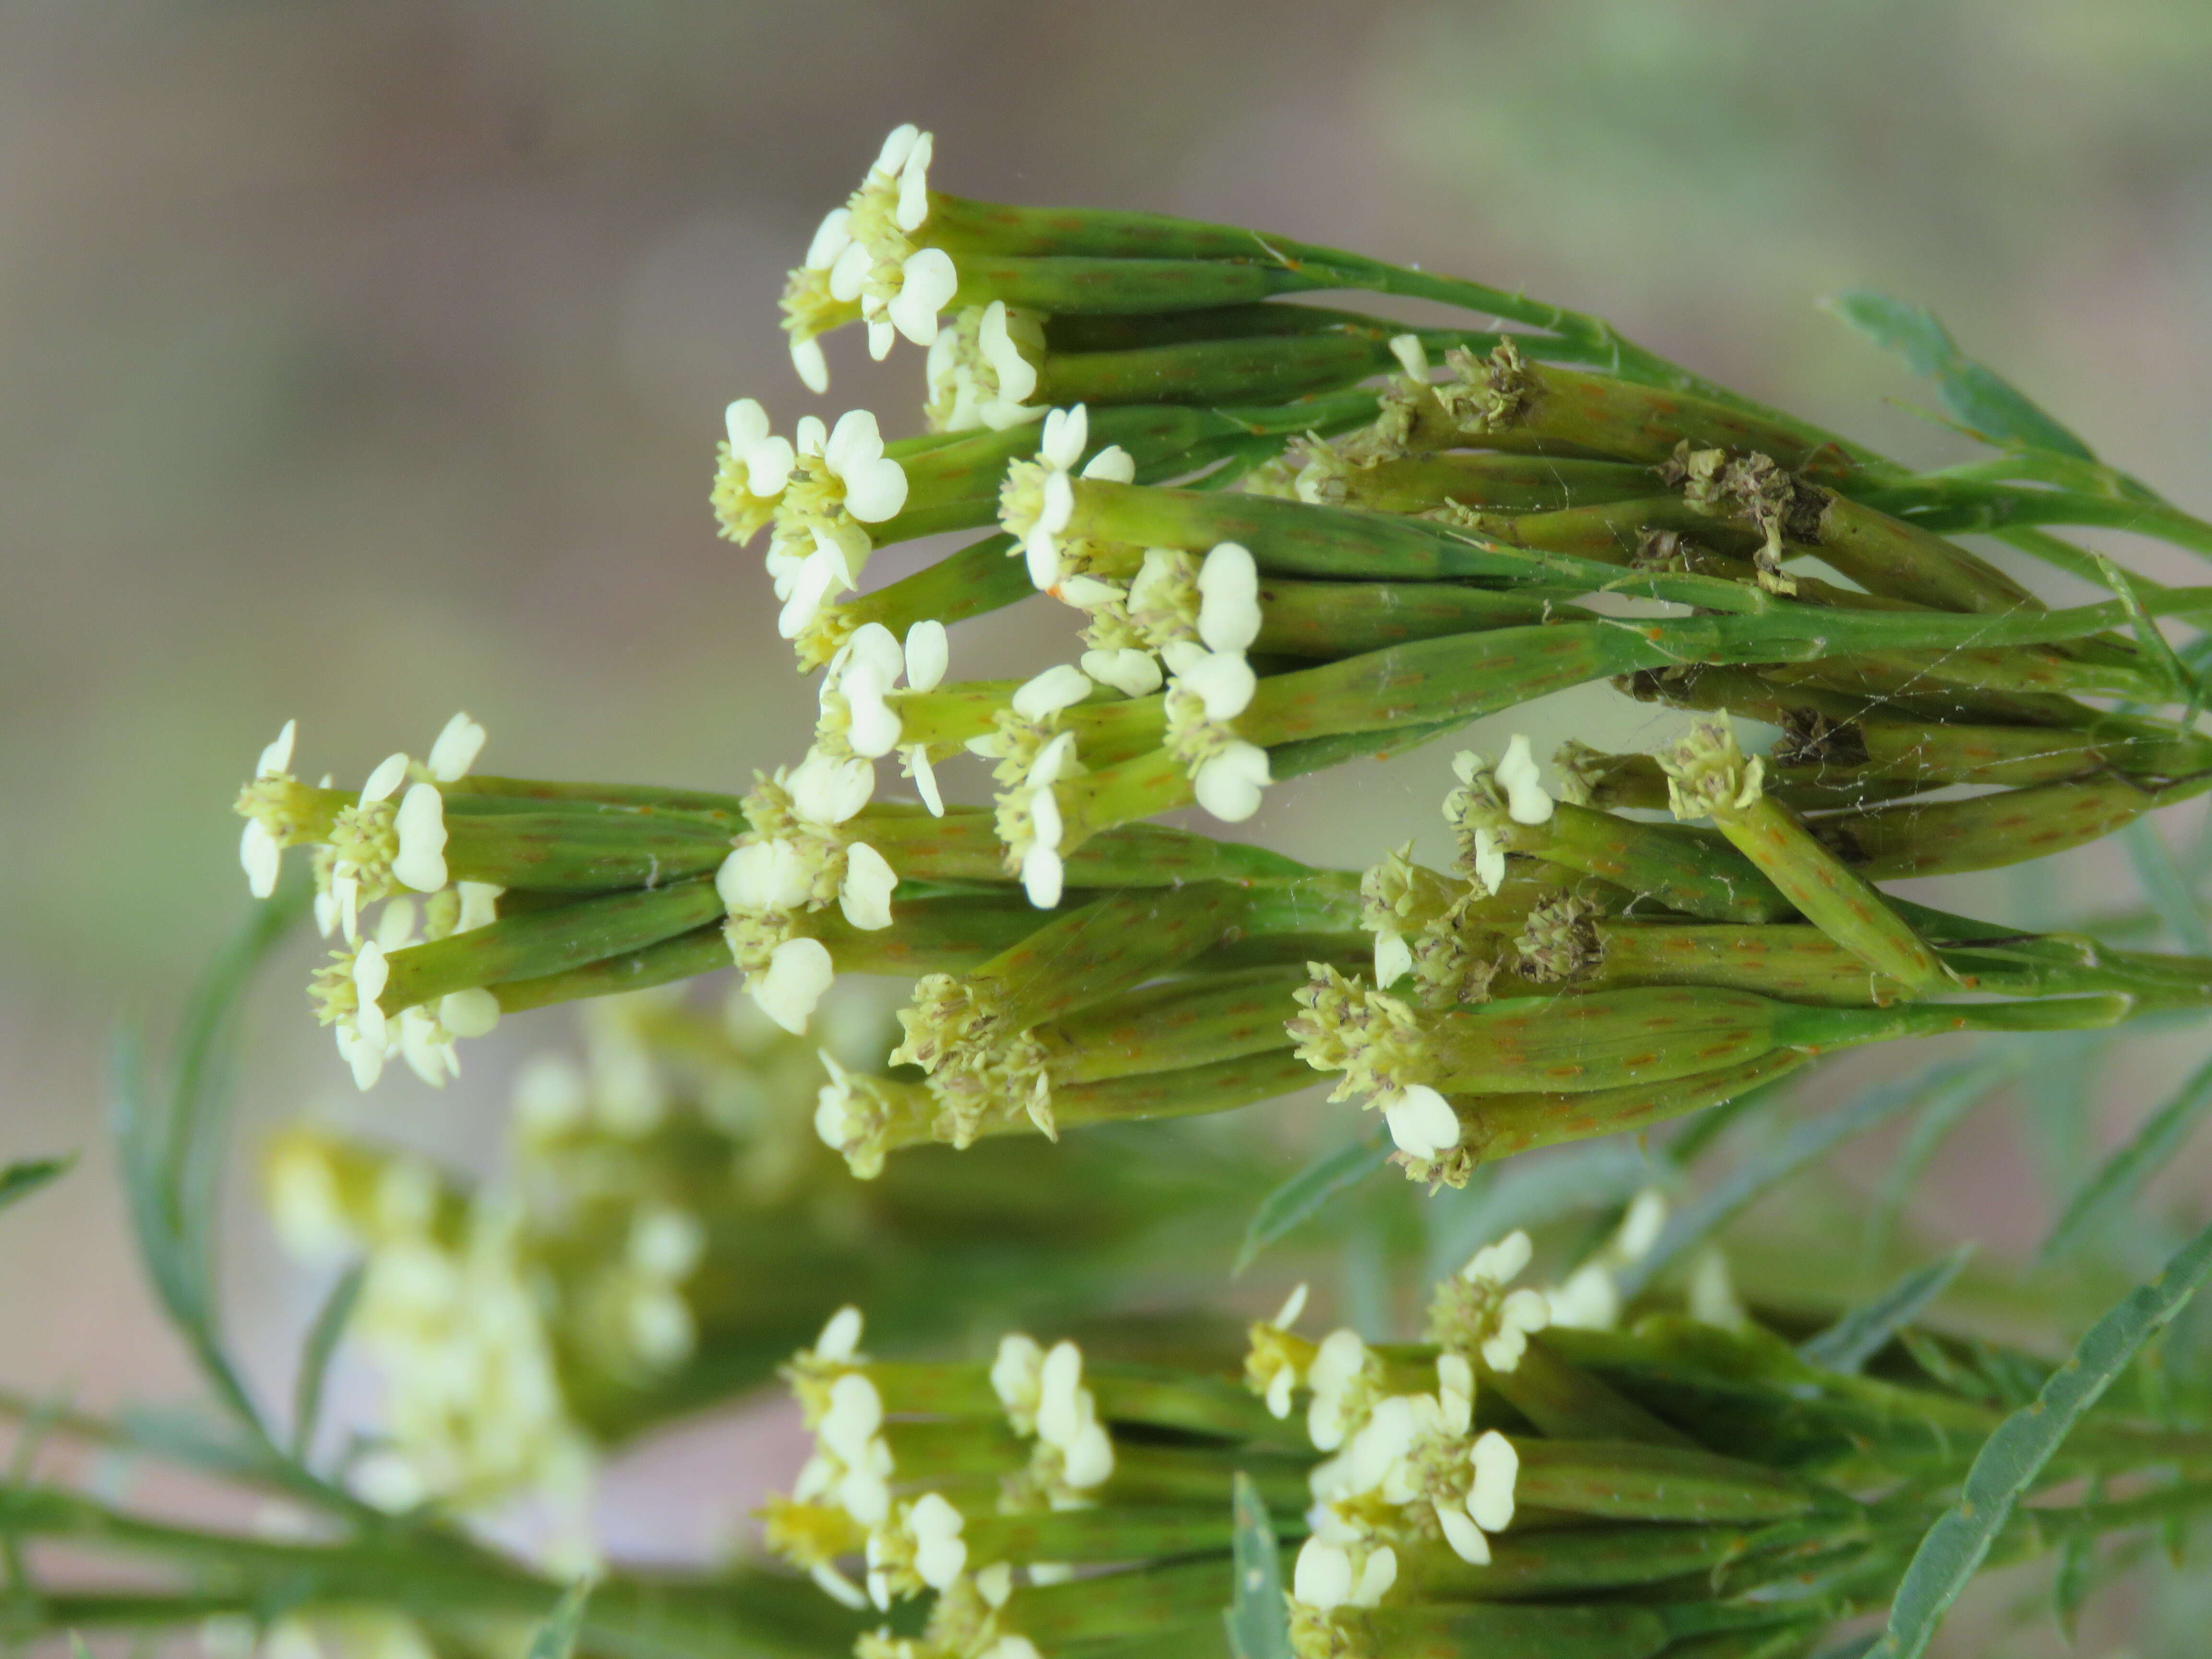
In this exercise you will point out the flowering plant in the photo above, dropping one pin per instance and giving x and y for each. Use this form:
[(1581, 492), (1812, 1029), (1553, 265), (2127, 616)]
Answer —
[(1296, 537)]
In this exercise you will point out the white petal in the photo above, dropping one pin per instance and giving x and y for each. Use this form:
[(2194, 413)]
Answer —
[(1293, 1305), (1411, 355), (421, 821), (873, 725), (1228, 598), (1517, 774), (260, 857), (915, 758), (832, 238), (456, 748), (1058, 504), (1499, 1263), (1074, 437), (798, 974), (767, 466), (1042, 555), (881, 337), (1489, 861), (810, 435), (470, 1013), (370, 971), (1132, 672), (420, 1047), (826, 791), (277, 759), (1393, 960), (395, 925), (875, 491), (1061, 686), (390, 773), (813, 368), (1089, 1459), (928, 282), (1044, 771), (1640, 1229), (928, 652), (897, 146), (1112, 464), (854, 442), (1043, 874), (914, 183), (1422, 1122), (1322, 1578), (848, 272), (1497, 1468), (746, 423), (1377, 1575), (841, 1338), (366, 1058), (1223, 679), (1588, 1301), (1464, 1538), (1231, 785), (866, 895)]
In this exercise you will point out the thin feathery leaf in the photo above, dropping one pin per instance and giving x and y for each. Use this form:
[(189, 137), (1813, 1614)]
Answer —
[(1981, 398), (2122, 1175), (1301, 1198), (2010, 1460), (1258, 1623), (1865, 1331), (1804, 1146)]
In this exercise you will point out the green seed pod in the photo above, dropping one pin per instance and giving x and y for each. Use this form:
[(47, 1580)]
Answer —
[(1448, 1630), (580, 852), (1344, 619), (1212, 373), (1062, 284), (1485, 481), (1559, 1562), (1710, 776), (1496, 1126), (1934, 838), (1183, 1023), (1632, 1480)]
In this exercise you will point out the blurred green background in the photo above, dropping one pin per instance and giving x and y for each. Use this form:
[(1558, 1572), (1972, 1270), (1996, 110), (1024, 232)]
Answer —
[(359, 362)]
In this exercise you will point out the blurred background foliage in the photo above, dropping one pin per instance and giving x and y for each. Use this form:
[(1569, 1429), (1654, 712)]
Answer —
[(361, 361)]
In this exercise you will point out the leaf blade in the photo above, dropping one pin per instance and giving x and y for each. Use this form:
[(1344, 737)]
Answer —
[(1300, 1197), (1258, 1623), (1953, 1549), (2127, 1170), (25, 1176), (1976, 394), (1862, 1332), (316, 1353)]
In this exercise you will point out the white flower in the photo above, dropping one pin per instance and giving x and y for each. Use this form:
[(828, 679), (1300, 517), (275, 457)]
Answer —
[(1210, 689), (1508, 1316), (852, 1465), (1231, 785), (979, 373), (798, 972), (421, 822), (259, 851), (875, 486), (840, 1341), (1393, 959), (754, 467), (1588, 1301), (857, 689), (1423, 1125), (765, 876), (1068, 1419), (1041, 869), (456, 748), (1066, 431), (1526, 801)]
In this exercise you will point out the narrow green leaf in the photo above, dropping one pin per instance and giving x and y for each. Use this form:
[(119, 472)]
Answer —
[(2167, 889), (1865, 1331), (315, 1354), (1300, 1197), (2122, 1175), (21, 1180), (169, 1144), (1259, 1623), (1977, 395), (556, 1638), (2181, 685), (1852, 1647), (1805, 1145), (2011, 1459)]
